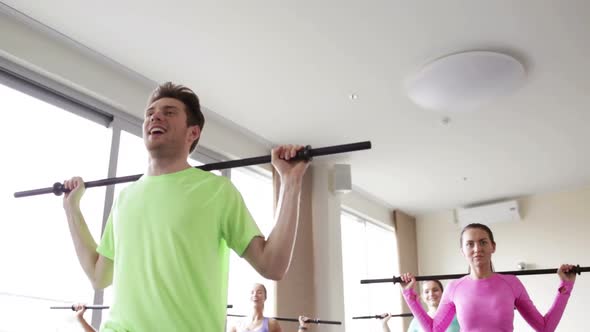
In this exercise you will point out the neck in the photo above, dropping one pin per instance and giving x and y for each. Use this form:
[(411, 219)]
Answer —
[(481, 272), (432, 310), (257, 314), (159, 166)]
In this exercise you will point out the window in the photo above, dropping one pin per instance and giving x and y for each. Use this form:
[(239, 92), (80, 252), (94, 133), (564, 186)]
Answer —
[(368, 251), (43, 144), (132, 159), (257, 191)]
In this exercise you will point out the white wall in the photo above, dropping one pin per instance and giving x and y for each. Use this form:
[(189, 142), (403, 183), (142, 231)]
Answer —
[(555, 229)]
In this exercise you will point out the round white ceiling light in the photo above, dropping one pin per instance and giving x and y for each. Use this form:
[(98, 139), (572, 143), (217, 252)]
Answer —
[(465, 81)]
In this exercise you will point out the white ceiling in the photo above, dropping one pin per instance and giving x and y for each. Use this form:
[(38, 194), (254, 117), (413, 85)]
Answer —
[(285, 70)]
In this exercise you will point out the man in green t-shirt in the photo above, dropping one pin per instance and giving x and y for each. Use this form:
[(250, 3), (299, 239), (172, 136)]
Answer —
[(165, 244)]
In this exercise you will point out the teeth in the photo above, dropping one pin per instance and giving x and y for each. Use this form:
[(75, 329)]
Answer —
[(156, 130)]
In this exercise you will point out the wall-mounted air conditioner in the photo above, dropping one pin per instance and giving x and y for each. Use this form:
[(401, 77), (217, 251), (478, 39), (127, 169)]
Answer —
[(488, 214)]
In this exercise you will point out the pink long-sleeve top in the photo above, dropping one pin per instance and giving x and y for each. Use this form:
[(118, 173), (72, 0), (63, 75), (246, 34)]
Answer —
[(487, 305)]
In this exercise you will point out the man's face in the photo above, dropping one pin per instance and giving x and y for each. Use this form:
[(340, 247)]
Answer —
[(165, 128)]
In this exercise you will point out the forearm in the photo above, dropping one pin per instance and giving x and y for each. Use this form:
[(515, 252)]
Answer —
[(426, 322), (555, 313), (84, 243), (550, 321), (386, 327), (278, 248), (87, 327)]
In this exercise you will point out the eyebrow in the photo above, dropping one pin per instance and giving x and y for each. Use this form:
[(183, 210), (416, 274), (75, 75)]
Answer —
[(165, 107), (482, 239)]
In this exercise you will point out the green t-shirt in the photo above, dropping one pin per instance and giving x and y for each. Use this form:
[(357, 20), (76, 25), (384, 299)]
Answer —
[(168, 236), (415, 326)]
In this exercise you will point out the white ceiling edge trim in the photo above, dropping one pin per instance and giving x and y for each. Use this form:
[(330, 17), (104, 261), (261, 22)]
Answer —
[(80, 48)]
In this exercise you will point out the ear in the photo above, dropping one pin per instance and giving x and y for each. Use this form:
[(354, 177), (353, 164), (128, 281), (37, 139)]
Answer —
[(194, 133), (493, 248)]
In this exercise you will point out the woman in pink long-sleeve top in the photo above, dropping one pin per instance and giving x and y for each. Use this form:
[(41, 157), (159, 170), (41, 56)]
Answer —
[(484, 301)]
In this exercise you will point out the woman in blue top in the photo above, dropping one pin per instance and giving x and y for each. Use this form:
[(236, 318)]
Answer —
[(431, 294)]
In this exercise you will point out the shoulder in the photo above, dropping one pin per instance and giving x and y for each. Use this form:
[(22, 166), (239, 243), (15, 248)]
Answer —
[(273, 325), (509, 279), (454, 284), (204, 175), (239, 325), (512, 282), (199, 180), (210, 178), (126, 191)]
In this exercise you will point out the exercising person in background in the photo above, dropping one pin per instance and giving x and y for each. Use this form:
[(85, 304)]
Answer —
[(256, 322), (484, 300), (432, 291)]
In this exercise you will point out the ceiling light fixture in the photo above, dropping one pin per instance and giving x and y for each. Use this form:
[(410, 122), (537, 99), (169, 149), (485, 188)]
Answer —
[(465, 81)]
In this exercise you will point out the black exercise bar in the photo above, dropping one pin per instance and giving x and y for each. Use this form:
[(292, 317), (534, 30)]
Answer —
[(313, 321), (98, 307), (381, 317), (306, 153), (577, 269), (90, 306)]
